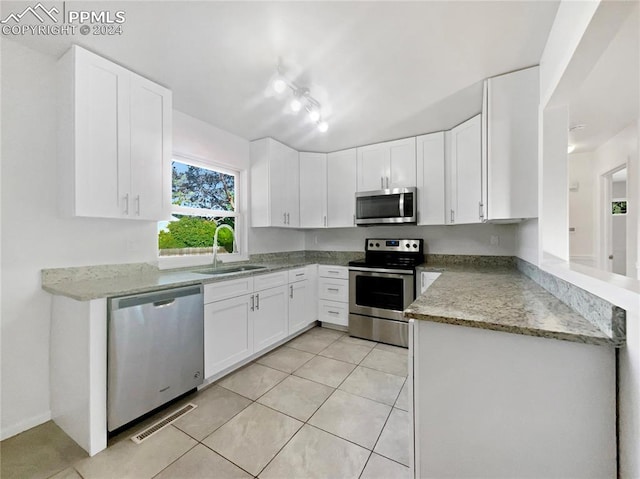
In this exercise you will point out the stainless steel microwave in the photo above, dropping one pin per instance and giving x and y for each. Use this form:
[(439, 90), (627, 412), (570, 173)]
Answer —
[(397, 205)]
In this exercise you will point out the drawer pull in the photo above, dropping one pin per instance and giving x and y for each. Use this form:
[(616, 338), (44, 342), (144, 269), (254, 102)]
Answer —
[(332, 271), (299, 274), (333, 289), (334, 312)]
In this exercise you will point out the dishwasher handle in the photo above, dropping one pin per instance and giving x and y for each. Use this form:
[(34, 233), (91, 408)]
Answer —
[(156, 298)]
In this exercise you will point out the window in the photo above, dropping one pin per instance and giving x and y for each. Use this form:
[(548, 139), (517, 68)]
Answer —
[(203, 199)]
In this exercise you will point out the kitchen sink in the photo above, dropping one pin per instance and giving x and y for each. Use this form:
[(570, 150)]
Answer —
[(229, 270)]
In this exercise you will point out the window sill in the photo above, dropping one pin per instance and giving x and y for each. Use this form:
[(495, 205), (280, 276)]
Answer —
[(173, 262)]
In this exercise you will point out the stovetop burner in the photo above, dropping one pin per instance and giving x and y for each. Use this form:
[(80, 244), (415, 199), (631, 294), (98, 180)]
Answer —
[(392, 253)]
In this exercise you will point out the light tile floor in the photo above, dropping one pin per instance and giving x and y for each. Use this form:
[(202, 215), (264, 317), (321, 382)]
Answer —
[(324, 405)]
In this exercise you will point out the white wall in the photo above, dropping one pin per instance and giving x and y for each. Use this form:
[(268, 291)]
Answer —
[(454, 239), (571, 21), (34, 236), (553, 202), (582, 203), (527, 241)]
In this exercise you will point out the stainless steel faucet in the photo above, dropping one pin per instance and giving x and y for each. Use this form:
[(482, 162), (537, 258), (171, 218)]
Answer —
[(215, 242)]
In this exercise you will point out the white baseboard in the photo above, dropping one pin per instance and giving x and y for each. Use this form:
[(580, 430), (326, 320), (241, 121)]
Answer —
[(22, 426)]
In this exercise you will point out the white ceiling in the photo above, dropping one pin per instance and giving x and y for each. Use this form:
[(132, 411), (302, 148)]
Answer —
[(381, 70)]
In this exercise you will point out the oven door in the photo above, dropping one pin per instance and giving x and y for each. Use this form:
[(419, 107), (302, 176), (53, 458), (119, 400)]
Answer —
[(380, 293)]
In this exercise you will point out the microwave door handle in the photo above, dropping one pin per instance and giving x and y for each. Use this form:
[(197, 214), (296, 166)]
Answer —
[(401, 205)]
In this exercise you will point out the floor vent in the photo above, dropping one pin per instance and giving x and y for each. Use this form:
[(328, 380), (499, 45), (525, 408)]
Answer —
[(162, 423)]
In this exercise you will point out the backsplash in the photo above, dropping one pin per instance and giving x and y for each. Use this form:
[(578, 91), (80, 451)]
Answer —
[(82, 273), (609, 318), (470, 260)]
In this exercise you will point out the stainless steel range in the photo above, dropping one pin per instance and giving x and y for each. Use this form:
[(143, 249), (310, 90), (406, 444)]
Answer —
[(381, 287)]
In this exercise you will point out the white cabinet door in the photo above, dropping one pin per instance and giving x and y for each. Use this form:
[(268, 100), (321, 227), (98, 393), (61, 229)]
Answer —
[(277, 188), (274, 184), (115, 144), (292, 176), (510, 112), (373, 167), (402, 163), (313, 190), (341, 188), (228, 336), (464, 173), (387, 165), (269, 318), (301, 309), (150, 121), (95, 142), (431, 178)]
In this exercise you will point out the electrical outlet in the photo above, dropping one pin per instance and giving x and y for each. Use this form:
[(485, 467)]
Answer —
[(495, 240)]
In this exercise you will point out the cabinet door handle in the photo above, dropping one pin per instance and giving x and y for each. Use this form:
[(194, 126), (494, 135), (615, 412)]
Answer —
[(284, 218), (252, 303), (288, 218), (137, 205), (452, 216), (126, 204), (258, 302), (480, 212), (291, 291)]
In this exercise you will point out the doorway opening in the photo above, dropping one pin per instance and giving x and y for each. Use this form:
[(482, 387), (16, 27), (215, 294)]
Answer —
[(614, 211)]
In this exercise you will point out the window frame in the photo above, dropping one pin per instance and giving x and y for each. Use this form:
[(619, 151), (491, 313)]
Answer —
[(240, 231)]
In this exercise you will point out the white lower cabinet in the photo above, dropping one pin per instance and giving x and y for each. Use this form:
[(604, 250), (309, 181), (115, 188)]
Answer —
[(228, 337), (302, 297), (246, 316), (333, 295), (269, 317)]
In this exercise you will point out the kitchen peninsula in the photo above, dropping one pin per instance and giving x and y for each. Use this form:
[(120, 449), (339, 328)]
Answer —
[(519, 382)]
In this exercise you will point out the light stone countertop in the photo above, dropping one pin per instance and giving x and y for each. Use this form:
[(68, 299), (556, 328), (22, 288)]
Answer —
[(104, 281), (147, 280), (501, 299)]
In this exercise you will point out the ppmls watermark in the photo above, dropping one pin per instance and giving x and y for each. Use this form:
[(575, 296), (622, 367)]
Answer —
[(39, 20)]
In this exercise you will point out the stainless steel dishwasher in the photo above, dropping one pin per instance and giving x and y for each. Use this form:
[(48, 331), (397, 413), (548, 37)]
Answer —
[(155, 351)]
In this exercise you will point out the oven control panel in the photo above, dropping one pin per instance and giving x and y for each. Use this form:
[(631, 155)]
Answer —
[(395, 245)]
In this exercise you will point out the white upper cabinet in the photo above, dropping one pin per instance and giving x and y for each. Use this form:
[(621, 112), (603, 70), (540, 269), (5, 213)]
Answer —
[(464, 173), (341, 188), (430, 151), (387, 165), (313, 190), (510, 113), (274, 184), (115, 140)]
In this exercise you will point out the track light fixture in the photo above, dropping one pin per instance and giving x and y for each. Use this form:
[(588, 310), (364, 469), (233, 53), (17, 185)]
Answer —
[(302, 99)]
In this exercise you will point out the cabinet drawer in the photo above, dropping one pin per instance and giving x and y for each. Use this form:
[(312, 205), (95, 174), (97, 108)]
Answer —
[(325, 271), (333, 312), (298, 274), (333, 289), (227, 289), (271, 280)]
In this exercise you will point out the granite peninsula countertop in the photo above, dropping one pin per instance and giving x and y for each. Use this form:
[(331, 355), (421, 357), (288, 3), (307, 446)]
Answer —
[(501, 299), (104, 281)]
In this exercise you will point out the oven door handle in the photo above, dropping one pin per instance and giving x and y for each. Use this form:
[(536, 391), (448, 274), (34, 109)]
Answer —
[(397, 272)]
